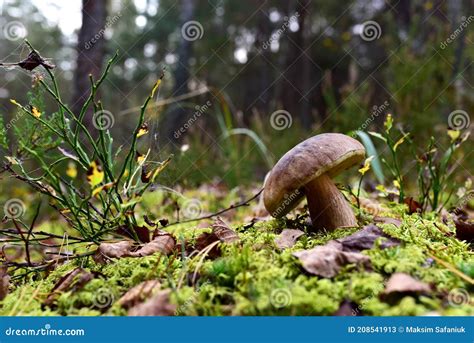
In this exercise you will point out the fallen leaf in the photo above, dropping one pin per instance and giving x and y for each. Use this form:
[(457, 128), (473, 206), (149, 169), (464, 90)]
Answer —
[(204, 240), (365, 238), (464, 230), (223, 232), (347, 308), (413, 205), (158, 305), (71, 282), (141, 232), (327, 260), (401, 284), (164, 243), (139, 293), (288, 238), (4, 282), (112, 250)]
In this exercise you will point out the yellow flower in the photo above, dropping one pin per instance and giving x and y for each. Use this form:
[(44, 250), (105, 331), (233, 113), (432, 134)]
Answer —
[(95, 174), (35, 112), (396, 183), (71, 170), (143, 130), (366, 166), (454, 134)]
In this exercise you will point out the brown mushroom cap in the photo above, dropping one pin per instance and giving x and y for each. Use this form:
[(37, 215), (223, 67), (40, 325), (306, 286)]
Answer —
[(329, 153)]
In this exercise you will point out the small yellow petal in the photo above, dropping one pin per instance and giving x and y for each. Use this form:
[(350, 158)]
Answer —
[(14, 102), (143, 130), (454, 134), (35, 112), (71, 170), (97, 190), (140, 158), (95, 174), (366, 166)]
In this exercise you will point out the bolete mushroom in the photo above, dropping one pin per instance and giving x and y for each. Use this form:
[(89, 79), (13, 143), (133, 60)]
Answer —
[(306, 170)]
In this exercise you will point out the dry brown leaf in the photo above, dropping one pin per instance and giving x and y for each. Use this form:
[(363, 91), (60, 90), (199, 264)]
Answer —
[(71, 282), (204, 240), (141, 232), (404, 284), (413, 205), (158, 305), (288, 238), (327, 260), (137, 294), (223, 231), (464, 230), (112, 250), (162, 243), (4, 282), (365, 238), (347, 308)]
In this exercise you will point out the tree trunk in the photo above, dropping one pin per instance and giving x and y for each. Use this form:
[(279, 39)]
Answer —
[(177, 117), (90, 52), (295, 81)]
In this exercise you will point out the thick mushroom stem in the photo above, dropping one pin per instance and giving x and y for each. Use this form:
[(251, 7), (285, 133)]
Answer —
[(328, 208)]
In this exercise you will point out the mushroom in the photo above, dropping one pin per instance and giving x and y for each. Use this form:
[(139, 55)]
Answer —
[(307, 170)]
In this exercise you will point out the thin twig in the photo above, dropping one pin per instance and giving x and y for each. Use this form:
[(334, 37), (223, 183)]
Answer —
[(231, 207)]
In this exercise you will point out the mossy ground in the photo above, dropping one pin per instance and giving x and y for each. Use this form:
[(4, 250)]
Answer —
[(254, 277)]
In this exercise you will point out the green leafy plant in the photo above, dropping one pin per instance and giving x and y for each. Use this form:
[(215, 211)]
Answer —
[(435, 171), (57, 153), (393, 164)]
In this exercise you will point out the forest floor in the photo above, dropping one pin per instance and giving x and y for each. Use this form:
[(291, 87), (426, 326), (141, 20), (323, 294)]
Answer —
[(248, 264)]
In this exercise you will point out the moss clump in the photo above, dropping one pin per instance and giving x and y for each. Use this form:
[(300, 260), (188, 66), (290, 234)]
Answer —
[(254, 277)]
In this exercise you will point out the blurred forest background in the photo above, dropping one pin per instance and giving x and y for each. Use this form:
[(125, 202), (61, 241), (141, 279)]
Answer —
[(246, 79)]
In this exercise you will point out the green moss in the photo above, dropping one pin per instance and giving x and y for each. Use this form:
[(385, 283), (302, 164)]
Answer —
[(254, 277)]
